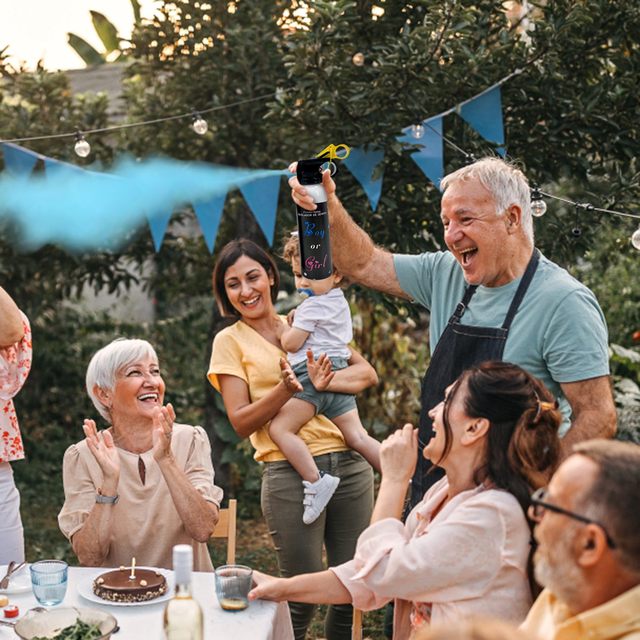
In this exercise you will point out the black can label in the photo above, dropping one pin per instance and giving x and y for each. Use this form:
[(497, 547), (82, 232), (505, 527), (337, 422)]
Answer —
[(315, 244)]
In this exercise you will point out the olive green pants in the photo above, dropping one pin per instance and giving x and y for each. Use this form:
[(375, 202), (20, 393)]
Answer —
[(299, 546)]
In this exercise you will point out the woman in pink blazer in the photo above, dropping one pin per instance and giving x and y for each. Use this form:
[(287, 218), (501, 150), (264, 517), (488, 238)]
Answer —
[(465, 549)]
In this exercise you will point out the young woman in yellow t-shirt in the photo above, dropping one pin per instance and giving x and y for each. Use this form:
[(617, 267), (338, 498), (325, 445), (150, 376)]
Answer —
[(248, 367)]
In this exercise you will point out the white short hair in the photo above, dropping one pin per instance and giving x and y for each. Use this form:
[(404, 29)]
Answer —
[(504, 181), (106, 363)]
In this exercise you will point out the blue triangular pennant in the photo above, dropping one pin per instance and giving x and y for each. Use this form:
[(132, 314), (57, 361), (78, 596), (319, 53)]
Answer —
[(57, 168), (484, 114), (18, 160), (209, 214), (262, 197), (429, 158), (158, 223), (362, 163)]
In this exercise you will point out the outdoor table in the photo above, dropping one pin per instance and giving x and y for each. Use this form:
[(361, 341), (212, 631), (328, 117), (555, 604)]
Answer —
[(262, 620)]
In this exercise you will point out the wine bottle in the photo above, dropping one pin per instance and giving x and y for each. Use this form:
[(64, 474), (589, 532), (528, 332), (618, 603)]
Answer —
[(313, 226), (183, 615)]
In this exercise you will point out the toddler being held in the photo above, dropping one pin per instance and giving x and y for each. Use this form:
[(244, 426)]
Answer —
[(322, 324)]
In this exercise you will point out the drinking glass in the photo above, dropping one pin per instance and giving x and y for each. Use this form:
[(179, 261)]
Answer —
[(233, 583), (49, 581)]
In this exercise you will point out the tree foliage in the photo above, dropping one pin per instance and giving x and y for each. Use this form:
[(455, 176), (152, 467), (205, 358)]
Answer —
[(288, 69), (572, 114), (115, 46)]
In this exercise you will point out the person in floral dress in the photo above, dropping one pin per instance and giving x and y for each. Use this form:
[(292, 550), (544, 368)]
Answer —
[(15, 363)]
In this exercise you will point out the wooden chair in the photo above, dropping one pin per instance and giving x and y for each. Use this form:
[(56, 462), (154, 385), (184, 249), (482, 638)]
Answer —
[(226, 528), (356, 625)]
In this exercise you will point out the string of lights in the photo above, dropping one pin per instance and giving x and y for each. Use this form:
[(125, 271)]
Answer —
[(200, 126), (539, 206)]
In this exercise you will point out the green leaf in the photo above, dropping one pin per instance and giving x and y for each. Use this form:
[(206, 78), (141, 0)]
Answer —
[(625, 354), (90, 56), (225, 431), (135, 5), (106, 31)]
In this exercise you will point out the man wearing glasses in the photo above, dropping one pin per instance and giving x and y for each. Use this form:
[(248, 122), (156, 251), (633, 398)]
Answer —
[(588, 555)]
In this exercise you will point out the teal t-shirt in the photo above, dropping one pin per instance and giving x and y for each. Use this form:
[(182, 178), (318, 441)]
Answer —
[(559, 333)]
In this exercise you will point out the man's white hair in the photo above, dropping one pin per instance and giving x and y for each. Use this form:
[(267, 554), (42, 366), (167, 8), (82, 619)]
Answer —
[(505, 182), (106, 363)]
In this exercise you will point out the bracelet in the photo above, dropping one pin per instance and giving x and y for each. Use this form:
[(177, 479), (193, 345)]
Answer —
[(100, 499)]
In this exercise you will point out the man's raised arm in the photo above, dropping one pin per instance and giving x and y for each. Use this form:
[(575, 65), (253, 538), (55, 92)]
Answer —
[(354, 253)]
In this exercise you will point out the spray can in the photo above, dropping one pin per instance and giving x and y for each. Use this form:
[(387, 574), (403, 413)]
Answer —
[(313, 226)]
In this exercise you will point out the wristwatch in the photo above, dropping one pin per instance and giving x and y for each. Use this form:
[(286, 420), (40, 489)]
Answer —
[(100, 499)]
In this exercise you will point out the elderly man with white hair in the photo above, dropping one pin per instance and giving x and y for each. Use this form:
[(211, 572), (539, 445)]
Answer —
[(144, 484), (491, 296)]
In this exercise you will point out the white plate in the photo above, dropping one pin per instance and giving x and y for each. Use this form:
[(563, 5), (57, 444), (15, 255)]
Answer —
[(18, 583), (85, 589)]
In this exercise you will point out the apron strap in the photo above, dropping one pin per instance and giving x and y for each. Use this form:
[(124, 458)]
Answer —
[(522, 288), (463, 304)]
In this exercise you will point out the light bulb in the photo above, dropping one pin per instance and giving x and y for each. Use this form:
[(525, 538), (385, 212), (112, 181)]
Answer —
[(538, 208), (199, 125), (81, 147), (635, 239), (358, 59), (417, 131)]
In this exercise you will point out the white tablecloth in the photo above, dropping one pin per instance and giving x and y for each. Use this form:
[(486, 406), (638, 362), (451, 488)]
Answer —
[(262, 620)]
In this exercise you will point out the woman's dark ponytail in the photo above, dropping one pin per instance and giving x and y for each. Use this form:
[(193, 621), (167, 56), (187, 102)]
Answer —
[(522, 441), (534, 449)]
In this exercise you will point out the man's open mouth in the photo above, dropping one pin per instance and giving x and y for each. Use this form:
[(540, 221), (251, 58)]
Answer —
[(467, 254)]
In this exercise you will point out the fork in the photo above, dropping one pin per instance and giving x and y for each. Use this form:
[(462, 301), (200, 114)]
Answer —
[(4, 583), (11, 571)]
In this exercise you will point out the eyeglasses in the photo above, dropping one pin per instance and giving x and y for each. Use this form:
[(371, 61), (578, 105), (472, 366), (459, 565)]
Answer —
[(539, 505)]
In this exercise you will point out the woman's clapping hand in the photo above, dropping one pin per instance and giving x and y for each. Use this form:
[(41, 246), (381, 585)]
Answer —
[(163, 420), (288, 377), (101, 445)]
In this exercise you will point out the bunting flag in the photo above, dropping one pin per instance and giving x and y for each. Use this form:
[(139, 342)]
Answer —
[(262, 197), (158, 223), (56, 167), (429, 156), (362, 163), (82, 209), (484, 114), (19, 161), (209, 215)]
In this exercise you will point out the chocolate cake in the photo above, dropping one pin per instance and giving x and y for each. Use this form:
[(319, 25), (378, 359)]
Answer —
[(118, 586)]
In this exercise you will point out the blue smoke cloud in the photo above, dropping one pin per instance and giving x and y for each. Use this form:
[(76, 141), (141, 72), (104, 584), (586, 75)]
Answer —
[(83, 210)]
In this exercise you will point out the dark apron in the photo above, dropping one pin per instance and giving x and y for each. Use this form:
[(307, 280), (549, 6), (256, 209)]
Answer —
[(460, 346)]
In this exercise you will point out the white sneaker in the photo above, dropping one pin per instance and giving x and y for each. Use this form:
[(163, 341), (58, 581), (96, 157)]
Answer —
[(317, 495)]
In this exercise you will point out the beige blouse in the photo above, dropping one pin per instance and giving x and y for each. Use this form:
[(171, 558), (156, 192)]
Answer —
[(146, 523)]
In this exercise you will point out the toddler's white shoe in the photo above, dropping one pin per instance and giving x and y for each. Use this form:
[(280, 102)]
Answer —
[(317, 495)]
